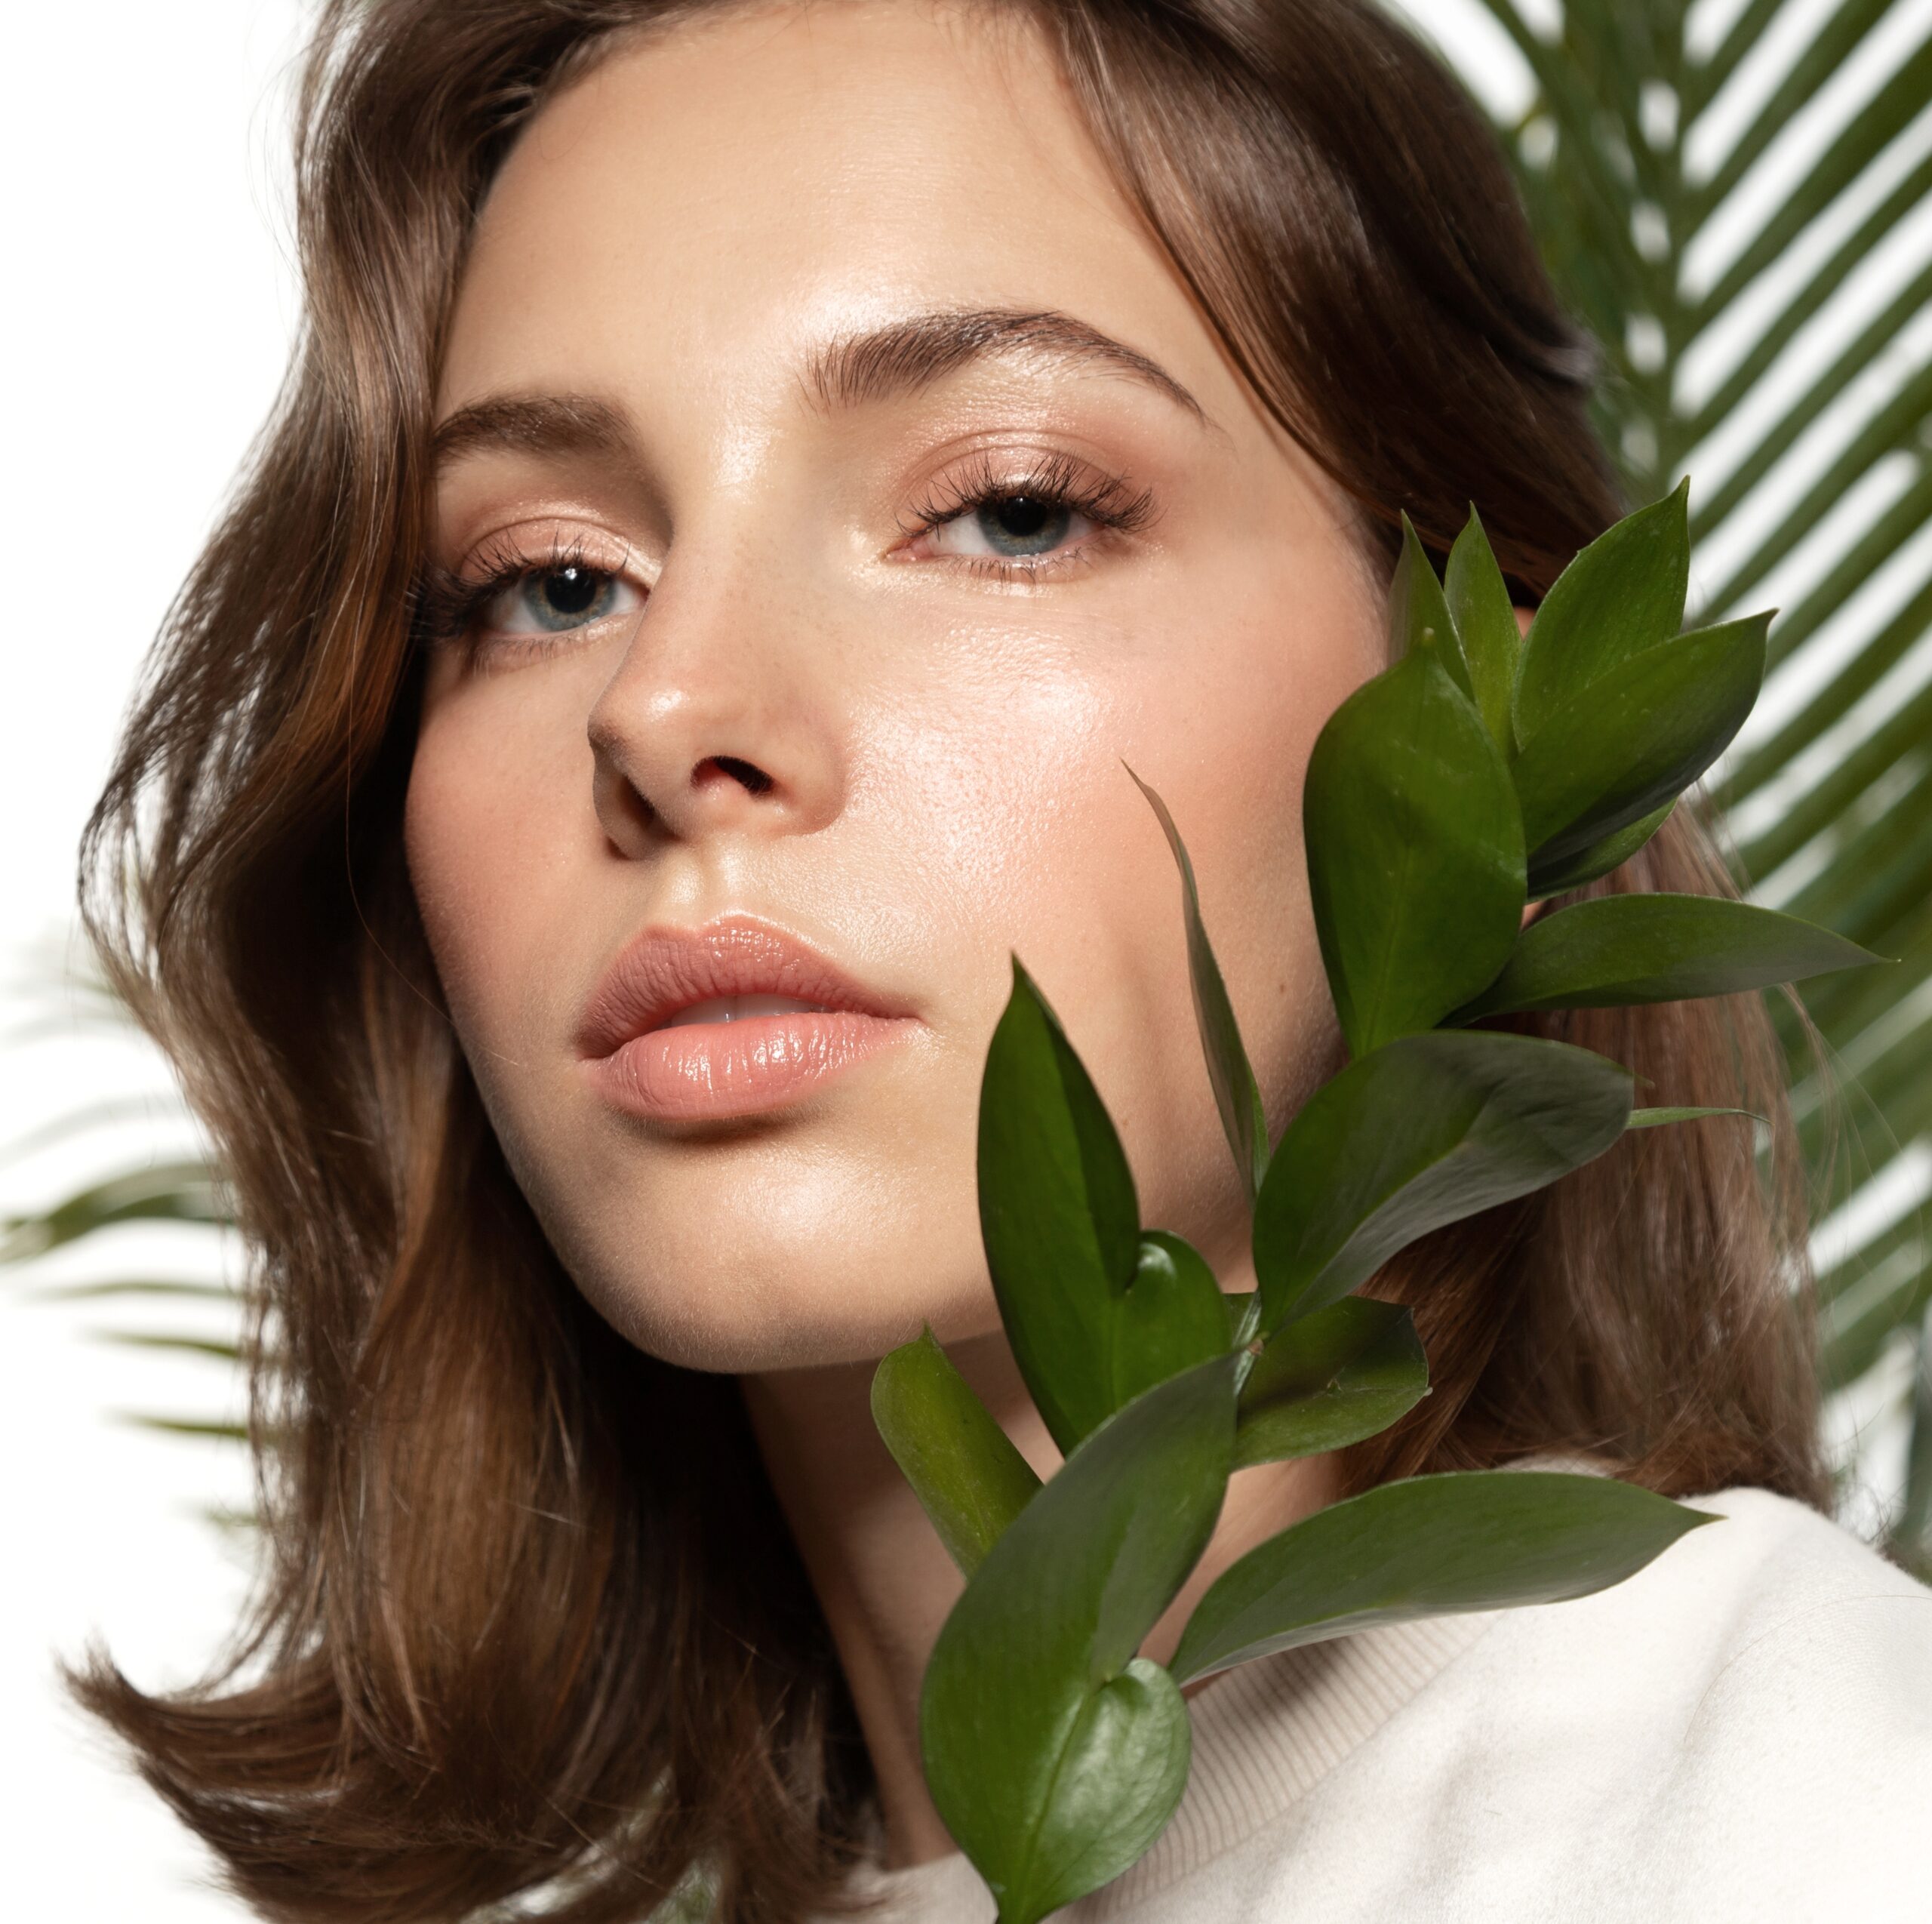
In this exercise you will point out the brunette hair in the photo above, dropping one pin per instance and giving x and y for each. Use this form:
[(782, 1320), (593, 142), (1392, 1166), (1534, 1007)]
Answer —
[(529, 1616)]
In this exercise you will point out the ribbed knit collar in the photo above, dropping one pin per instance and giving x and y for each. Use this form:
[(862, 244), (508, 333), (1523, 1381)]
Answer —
[(1264, 1734)]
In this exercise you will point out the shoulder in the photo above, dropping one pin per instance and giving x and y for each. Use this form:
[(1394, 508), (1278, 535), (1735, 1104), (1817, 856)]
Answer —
[(1749, 1718), (1741, 1732), (1765, 1554), (1772, 1609), (1771, 1619)]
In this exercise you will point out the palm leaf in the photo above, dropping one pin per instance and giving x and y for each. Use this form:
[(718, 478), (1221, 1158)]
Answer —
[(1708, 184), (186, 1190)]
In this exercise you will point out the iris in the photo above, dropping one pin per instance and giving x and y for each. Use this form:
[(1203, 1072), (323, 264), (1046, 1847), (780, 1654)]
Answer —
[(1023, 524), (567, 597)]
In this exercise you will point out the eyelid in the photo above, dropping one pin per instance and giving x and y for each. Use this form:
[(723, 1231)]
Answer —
[(540, 541), (1108, 500), (1106, 495), (447, 603)]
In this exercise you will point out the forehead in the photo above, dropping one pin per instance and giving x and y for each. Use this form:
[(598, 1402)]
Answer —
[(687, 223)]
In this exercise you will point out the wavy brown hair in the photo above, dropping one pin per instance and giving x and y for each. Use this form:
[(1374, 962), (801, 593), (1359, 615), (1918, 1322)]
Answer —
[(528, 1614)]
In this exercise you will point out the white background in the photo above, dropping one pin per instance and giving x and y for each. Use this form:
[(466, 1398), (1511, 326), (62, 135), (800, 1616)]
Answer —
[(149, 310), (153, 301)]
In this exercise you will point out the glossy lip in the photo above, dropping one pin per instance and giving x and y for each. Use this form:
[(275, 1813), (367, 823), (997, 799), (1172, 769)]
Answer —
[(713, 1071)]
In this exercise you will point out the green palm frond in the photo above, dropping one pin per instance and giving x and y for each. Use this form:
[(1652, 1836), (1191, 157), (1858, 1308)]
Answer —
[(182, 1189), (1711, 185), (170, 1192), (186, 1191), (178, 1193)]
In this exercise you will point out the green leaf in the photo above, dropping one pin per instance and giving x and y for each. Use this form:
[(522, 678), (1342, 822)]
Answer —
[(1235, 1094), (1346, 1372), (1172, 1318), (1654, 1119), (1477, 1539), (1095, 1312), (172, 1191), (77, 1292), (1053, 1756), (1415, 852), (1570, 871), (222, 1431), (1119, 1778), (211, 1346), (1426, 1131), (967, 1476), (1479, 605), (1640, 735), (1057, 1213), (1621, 595), (1626, 949), (1418, 616)]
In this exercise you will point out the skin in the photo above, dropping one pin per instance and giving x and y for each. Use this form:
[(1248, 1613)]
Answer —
[(940, 742)]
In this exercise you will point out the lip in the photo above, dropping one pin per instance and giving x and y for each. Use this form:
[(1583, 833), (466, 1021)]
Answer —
[(710, 1071)]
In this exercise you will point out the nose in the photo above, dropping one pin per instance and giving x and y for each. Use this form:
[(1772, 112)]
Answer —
[(715, 722)]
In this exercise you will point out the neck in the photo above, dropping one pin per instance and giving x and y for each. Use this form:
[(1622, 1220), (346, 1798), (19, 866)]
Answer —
[(884, 1580)]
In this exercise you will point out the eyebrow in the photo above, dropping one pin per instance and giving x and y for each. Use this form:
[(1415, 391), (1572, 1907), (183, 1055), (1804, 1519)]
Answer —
[(918, 350), (899, 357), (532, 424)]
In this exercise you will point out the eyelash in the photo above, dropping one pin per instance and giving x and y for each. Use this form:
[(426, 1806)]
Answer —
[(446, 603), (1058, 481)]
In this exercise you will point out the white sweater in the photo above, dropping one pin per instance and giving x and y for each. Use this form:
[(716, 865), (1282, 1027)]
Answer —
[(1741, 1734)]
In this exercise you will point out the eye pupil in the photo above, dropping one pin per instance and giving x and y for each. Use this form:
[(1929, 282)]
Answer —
[(570, 590), (570, 596), (1023, 514), (1024, 524)]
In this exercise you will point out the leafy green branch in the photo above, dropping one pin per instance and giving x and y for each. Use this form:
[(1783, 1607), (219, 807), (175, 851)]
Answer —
[(1483, 771)]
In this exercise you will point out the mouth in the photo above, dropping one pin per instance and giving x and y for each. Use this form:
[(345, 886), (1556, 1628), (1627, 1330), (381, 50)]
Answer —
[(735, 1019)]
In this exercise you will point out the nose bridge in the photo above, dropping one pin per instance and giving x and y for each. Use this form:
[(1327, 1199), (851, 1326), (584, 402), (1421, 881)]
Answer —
[(713, 721)]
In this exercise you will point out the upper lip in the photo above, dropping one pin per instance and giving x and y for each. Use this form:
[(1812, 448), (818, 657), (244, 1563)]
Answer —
[(664, 970)]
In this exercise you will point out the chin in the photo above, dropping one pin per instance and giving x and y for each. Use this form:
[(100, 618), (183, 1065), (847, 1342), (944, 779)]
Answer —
[(813, 1315), (713, 1266)]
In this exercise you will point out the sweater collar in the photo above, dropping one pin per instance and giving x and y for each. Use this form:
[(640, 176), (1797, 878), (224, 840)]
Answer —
[(1264, 1734)]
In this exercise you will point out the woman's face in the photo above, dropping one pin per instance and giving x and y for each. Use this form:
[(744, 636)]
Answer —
[(861, 491)]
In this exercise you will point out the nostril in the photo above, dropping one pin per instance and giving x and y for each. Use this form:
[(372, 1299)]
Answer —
[(754, 780)]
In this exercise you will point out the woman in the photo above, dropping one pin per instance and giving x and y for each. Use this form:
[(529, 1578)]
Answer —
[(753, 473)]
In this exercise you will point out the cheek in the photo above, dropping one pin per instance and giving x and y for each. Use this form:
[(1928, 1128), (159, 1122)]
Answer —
[(1278, 692), (982, 778), (1262, 700), (487, 825), (1223, 729)]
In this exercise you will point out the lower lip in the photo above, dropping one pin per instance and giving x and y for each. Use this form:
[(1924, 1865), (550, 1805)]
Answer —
[(710, 1072)]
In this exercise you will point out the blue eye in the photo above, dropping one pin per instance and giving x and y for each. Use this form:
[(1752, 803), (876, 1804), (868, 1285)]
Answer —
[(567, 597), (556, 601), (1019, 515), (1010, 527), (1023, 524)]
